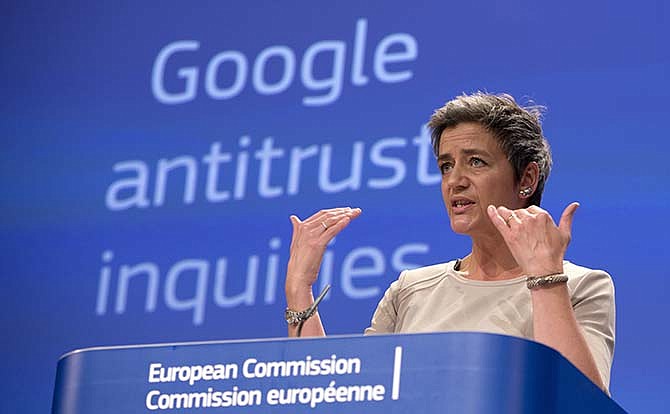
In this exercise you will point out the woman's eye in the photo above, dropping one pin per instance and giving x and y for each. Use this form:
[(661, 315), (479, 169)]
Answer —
[(477, 162), (445, 167)]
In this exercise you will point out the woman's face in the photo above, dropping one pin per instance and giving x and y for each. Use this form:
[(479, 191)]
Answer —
[(475, 174)]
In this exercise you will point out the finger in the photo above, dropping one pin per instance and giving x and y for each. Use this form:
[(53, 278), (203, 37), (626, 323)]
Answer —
[(509, 216), (542, 214), (535, 209), (355, 212), (352, 214), (332, 217), (322, 214), (565, 224), (334, 229), (295, 222), (524, 212), (335, 216), (497, 220)]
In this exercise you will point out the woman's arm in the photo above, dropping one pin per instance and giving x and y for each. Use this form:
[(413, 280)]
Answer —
[(538, 246), (310, 238), (555, 325)]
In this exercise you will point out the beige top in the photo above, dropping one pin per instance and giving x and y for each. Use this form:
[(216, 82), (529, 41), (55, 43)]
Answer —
[(439, 298)]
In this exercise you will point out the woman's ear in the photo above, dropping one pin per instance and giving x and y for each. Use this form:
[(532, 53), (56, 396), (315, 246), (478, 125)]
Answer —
[(529, 180)]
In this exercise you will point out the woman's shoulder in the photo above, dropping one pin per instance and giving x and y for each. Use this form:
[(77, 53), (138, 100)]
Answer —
[(582, 277), (575, 271)]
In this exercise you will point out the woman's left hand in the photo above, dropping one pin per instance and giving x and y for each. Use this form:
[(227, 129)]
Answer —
[(531, 235)]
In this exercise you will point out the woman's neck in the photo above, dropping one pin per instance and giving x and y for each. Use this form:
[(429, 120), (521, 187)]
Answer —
[(490, 259)]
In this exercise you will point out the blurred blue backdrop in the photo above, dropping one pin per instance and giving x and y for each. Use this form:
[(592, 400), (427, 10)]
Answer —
[(153, 152)]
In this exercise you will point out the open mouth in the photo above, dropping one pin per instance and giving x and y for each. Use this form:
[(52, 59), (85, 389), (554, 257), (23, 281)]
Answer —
[(461, 205)]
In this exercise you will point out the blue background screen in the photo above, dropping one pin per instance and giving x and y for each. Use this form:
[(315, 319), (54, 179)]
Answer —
[(153, 152)]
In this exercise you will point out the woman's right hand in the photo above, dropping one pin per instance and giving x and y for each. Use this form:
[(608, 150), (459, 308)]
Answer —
[(310, 238)]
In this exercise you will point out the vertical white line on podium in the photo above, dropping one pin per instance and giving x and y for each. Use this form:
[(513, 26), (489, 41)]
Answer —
[(395, 390)]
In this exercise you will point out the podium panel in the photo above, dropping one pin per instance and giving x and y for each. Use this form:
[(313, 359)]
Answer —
[(423, 373)]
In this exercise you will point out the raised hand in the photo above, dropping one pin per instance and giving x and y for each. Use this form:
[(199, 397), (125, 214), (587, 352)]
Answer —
[(310, 238), (531, 235)]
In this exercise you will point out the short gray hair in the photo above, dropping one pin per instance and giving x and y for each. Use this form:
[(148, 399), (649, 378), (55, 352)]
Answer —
[(517, 129)]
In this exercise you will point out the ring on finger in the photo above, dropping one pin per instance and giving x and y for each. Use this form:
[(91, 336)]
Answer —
[(511, 216), (325, 226)]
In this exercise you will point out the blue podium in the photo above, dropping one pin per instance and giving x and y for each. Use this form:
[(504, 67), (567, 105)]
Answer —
[(417, 373)]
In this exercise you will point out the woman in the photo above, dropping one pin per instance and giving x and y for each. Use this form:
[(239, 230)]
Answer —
[(494, 162)]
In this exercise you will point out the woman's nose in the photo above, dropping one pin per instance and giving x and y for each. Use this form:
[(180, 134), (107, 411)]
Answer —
[(457, 178)]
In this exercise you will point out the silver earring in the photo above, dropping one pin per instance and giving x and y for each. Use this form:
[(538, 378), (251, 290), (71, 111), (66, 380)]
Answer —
[(525, 192)]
